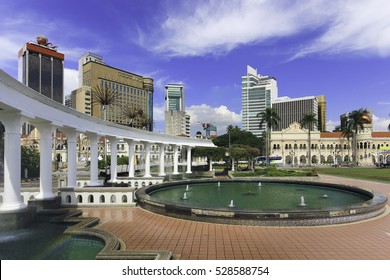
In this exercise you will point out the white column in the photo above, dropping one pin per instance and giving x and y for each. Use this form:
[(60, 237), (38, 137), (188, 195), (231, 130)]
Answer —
[(131, 156), (114, 165), (12, 200), (94, 169), (189, 160), (162, 159), (176, 160), (45, 166), (147, 159), (211, 164), (71, 136)]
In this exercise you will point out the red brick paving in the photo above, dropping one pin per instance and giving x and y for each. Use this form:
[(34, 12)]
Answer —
[(143, 230)]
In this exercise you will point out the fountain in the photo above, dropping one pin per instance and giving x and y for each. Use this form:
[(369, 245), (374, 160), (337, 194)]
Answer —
[(259, 184), (187, 188), (277, 204), (325, 196), (302, 201), (219, 184)]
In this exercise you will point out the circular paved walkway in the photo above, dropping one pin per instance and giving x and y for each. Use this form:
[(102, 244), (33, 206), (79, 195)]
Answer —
[(143, 230)]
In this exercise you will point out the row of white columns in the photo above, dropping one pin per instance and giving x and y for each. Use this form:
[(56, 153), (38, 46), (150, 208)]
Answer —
[(12, 159)]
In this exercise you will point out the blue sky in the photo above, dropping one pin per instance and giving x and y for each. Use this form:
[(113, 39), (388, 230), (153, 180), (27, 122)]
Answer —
[(340, 49)]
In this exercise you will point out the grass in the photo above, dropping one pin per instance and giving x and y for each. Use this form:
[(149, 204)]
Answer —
[(275, 172), (362, 173)]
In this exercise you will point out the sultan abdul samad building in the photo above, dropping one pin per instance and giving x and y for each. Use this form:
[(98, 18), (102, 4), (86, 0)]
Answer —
[(291, 144)]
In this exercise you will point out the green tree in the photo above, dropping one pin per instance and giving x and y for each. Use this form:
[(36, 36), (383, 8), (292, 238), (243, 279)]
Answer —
[(271, 119), (309, 121), (237, 136), (30, 160), (355, 123), (212, 153)]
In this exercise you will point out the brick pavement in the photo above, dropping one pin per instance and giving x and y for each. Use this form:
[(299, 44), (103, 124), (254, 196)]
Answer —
[(143, 230)]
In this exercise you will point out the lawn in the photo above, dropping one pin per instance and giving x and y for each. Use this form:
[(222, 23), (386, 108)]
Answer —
[(363, 173)]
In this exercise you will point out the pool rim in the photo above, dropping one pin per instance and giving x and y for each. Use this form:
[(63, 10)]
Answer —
[(374, 206)]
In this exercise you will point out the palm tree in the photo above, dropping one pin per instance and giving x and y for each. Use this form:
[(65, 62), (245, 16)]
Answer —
[(105, 97), (355, 123), (133, 113), (271, 119), (309, 121), (347, 132), (144, 122)]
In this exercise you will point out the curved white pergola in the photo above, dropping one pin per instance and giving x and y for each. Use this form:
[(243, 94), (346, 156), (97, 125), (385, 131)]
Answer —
[(19, 103)]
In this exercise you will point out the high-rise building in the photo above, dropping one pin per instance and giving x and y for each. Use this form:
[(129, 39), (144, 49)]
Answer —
[(81, 99), (84, 59), (321, 112), (41, 67), (132, 90), (177, 122), (68, 100), (292, 110), (257, 94)]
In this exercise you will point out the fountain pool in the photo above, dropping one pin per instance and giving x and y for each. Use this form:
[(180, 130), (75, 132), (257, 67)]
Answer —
[(275, 203), (46, 241)]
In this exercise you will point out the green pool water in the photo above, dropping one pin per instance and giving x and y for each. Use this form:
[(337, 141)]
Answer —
[(251, 196), (46, 241)]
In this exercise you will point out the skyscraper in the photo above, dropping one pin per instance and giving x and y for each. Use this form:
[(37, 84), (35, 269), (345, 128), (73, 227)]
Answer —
[(132, 90), (177, 122), (321, 112), (41, 68), (294, 109), (257, 94)]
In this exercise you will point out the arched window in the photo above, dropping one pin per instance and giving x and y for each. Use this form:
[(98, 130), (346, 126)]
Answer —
[(102, 199), (124, 199), (79, 199), (68, 199), (113, 199), (90, 198)]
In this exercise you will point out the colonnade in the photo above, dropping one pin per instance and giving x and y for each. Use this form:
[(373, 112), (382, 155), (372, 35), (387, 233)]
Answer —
[(12, 155), (20, 104)]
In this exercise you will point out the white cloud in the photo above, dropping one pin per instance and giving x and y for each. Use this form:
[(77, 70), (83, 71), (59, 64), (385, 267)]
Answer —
[(220, 26), (217, 27), (331, 125), (380, 124), (221, 116), (70, 80), (355, 26)]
